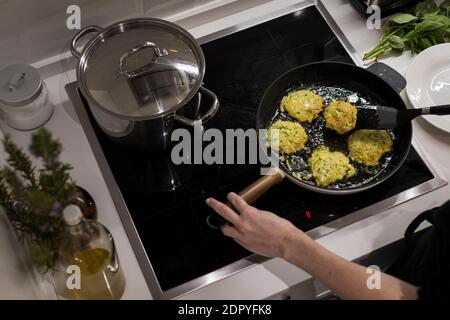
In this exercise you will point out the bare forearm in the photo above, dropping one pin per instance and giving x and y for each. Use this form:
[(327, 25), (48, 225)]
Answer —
[(347, 279), (269, 235)]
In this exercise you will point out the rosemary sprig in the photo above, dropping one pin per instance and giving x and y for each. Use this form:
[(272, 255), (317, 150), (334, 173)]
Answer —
[(34, 199)]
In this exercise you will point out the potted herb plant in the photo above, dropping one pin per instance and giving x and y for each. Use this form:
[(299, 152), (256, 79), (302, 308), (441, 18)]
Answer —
[(33, 198)]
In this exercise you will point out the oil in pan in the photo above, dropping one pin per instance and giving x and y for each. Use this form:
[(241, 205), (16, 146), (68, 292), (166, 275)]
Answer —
[(318, 134)]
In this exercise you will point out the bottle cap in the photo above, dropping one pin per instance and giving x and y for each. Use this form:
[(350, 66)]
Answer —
[(72, 215)]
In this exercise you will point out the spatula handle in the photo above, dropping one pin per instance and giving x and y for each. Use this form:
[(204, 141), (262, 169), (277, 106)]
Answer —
[(438, 110)]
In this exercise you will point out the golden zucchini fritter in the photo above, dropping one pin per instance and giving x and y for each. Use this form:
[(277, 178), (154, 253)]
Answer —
[(340, 116), (292, 136), (368, 146), (303, 105), (329, 167)]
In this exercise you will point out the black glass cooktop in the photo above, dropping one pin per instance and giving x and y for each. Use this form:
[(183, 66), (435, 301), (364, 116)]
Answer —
[(167, 202)]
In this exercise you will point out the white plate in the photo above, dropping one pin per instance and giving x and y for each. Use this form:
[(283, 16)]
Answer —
[(428, 79)]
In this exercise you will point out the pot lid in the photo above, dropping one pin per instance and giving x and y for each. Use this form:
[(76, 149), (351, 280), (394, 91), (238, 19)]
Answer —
[(141, 68), (20, 84)]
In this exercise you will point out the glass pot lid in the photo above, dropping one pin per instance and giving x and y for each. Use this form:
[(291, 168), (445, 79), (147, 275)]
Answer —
[(140, 68)]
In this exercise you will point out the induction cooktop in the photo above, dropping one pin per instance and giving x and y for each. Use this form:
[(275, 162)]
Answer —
[(162, 205)]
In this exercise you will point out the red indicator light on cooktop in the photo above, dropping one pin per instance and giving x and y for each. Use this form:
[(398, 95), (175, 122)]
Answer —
[(308, 214)]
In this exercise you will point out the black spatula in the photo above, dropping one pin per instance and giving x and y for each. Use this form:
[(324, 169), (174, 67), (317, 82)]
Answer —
[(388, 118)]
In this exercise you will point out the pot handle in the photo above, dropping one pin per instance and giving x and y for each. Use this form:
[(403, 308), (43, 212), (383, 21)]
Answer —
[(79, 35), (208, 115), (159, 52)]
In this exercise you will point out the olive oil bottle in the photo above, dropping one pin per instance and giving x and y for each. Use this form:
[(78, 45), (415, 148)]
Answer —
[(88, 266)]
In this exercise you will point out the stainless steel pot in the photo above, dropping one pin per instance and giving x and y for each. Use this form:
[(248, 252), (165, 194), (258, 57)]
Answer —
[(136, 75)]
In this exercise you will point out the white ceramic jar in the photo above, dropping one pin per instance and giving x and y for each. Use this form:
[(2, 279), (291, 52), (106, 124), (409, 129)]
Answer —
[(24, 97)]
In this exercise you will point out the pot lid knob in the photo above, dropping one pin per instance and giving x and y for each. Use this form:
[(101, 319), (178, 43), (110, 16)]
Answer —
[(158, 53)]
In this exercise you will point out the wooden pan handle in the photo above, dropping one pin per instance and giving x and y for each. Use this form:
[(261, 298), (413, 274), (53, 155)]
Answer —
[(258, 188), (250, 194)]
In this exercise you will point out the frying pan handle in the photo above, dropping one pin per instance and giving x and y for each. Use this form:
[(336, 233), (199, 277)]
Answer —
[(258, 188), (250, 194), (392, 77)]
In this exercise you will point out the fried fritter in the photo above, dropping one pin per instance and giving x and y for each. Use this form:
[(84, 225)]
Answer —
[(329, 167), (340, 116), (368, 146), (303, 105), (292, 136)]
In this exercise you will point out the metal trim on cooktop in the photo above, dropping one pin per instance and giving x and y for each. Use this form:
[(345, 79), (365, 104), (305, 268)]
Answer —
[(251, 23), (245, 263), (339, 34)]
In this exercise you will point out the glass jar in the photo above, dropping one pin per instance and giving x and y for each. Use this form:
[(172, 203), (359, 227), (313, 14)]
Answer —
[(88, 266), (24, 97)]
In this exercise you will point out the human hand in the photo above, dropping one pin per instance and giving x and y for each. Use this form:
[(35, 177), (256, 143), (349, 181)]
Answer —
[(261, 232)]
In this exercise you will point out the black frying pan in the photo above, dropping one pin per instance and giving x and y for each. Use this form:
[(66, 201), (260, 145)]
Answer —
[(335, 81), (377, 85)]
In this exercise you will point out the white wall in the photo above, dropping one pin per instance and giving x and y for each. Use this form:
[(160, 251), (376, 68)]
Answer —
[(33, 30)]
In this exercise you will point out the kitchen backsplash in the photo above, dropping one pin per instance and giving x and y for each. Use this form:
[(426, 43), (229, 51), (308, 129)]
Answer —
[(33, 30)]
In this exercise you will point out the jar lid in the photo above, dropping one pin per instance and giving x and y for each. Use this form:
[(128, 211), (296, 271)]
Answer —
[(20, 84), (141, 69)]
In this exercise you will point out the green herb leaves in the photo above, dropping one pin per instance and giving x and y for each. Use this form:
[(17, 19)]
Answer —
[(402, 18), (422, 27), (426, 8), (396, 42), (33, 200)]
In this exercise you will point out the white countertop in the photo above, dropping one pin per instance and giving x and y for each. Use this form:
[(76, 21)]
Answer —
[(275, 276)]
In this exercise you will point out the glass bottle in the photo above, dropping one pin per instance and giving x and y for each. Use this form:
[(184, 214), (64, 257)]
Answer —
[(88, 265)]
